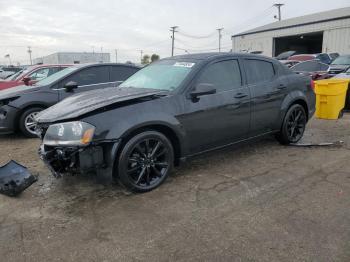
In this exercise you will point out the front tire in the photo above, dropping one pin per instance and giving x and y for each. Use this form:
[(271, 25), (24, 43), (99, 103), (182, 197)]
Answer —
[(145, 161), (293, 126), (26, 122)]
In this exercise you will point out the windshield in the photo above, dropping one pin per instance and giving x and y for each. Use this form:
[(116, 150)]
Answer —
[(53, 78), (342, 60), (14, 77), (163, 75), (310, 66), (285, 55)]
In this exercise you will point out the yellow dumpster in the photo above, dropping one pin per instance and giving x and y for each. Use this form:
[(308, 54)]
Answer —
[(330, 97)]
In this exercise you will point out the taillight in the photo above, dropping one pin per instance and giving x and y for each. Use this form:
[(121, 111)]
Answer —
[(312, 84)]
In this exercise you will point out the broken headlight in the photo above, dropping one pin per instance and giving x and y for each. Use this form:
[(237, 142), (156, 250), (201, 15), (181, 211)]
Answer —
[(69, 134)]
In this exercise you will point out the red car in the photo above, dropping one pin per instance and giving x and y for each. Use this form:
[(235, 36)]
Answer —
[(31, 75), (323, 57)]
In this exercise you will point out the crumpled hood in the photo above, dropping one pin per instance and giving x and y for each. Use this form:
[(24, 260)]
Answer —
[(86, 102), (17, 91)]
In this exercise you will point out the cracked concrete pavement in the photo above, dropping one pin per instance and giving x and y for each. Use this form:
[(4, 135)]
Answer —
[(256, 202)]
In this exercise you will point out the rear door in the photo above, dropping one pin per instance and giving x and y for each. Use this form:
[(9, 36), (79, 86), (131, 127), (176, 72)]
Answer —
[(222, 118), (87, 79), (267, 93)]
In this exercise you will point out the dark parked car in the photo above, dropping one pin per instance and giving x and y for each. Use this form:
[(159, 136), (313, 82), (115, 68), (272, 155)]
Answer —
[(314, 68), (171, 110), (19, 105), (340, 65), (289, 63), (334, 56), (286, 55)]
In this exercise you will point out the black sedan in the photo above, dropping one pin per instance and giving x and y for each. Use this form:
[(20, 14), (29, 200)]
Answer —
[(172, 110), (19, 105)]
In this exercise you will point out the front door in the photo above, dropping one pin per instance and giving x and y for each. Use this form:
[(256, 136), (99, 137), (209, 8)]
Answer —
[(89, 78), (221, 118)]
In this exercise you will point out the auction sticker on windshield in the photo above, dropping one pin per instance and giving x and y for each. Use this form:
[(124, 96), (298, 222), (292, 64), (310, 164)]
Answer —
[(184, 64)]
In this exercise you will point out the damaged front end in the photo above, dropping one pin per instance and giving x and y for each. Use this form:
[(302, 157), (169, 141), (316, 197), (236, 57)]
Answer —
[(68, 148), (72, 160)]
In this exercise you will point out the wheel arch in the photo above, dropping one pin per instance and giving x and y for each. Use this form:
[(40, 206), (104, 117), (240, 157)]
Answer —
[(163, 128), (25, 108), (292, 99)]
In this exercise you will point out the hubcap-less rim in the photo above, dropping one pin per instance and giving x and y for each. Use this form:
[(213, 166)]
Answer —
[(296, 125), (29, 123), (148, 163)]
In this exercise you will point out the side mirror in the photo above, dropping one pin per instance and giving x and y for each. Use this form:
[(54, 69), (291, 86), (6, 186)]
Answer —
[(26, 80), (70, 86), (202, 90)]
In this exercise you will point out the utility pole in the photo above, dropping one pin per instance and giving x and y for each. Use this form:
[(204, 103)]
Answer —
[(30, 55), (116, 55), (220, 36), (141, 51), (173, 30), (279, 11), (101, 54)]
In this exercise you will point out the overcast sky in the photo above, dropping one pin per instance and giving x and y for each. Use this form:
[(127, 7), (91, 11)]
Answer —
[(133, 25)]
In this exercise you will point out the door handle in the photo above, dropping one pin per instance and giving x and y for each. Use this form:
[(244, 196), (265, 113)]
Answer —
[(281, 86), (241, 95)]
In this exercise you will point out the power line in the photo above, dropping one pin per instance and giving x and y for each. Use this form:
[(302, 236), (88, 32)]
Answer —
[(197, 36), (201, 50), (251, 21), (210, 44)]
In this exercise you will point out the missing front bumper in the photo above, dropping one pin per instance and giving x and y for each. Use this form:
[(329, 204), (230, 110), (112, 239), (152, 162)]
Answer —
[(98, 159)]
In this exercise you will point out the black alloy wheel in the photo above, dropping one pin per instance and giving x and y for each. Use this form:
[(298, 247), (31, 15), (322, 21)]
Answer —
[(293, 126), (145, 161)]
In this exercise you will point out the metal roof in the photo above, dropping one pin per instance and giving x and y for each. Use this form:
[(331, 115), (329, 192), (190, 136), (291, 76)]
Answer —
[(326, 16)]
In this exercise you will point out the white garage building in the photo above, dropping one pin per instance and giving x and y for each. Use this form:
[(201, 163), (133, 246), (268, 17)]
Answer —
[(326, 32), (73, 58)]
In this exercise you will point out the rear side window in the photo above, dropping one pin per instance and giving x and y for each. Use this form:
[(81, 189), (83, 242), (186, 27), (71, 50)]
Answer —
[(259, 71), (90, 76), (324, 58), (121, 73), (225, 75)]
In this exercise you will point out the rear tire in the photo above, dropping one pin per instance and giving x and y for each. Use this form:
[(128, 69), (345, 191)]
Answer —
[(26, 122), (293, 126), (145, 161)]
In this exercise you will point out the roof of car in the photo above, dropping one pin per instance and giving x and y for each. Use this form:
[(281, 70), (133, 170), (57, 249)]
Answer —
[(205, 56), (105, 64)]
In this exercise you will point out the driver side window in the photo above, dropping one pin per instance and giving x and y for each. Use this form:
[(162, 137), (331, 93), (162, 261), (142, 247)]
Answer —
[(39, 74), (224, 75), (89, 76)]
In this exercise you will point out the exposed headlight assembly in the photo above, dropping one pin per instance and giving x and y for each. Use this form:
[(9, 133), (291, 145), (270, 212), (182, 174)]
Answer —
[(6, 101), (69, 134)]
